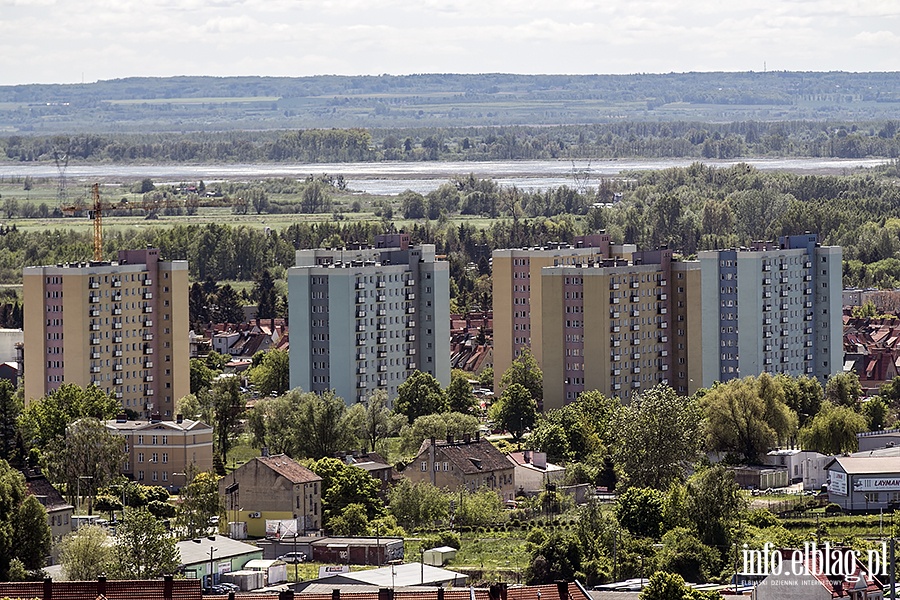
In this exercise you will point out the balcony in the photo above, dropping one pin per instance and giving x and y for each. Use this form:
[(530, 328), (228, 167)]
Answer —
[(635, 384), (766, 267), (148, 392), (767, 294), (784, 307), (382, 368), (635, 313), (767, 281), (95, 369), (93, 299), (148, 323), (767, 321), (117, 297), (95, 285), (148, 350), (616, 343), (361, 371), (380, 340), (361, 384), (148, 337), (614, 314), (614, 329), (360, 299), (95, 355), (808, 343), (664, 325), (411, 323), (382, 383), (360, 314), (809, 357), (635, 341), (410, 281), (807, 291), (615, 357), (410, 296), (95, 341), (616, 372), (617, 386), (148, 309), (411, 337), (361, 341), (614, 300), (663, 283), (148, 281), (117, 353), (635, 298), (636, 370), (381, 312), (663, 353), (662, 310), (636, 355), (117, 339), (614, 286), (148, 295), (117, 381), (634, 285), (381, 354), (381, 326), (664, 367), (117, 367), (767, 348), (662, 297), (360, 328), (116, 283), (117, 395), (117, 325), (767, 361), (807, 278), (95, 327), (360, 285), (411, 352), (663, 339), (411, 310), (360, 356), (117, 311), (807, 265), (148, 364), (380, 298), (635, 327), (94, 312)]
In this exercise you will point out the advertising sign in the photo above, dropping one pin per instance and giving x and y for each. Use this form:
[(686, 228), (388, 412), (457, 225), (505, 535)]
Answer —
[(837, 483), (277, 529), (877, 484)]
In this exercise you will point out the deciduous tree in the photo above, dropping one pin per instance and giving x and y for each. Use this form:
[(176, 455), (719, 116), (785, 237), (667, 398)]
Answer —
[(833, 430), (515, 411), (525, 371), (273, 374), (200, 501), (417, 505), (144, 548), (419, 395), (86, 553)]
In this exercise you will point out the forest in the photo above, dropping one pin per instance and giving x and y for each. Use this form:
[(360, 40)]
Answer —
[(688, 209)]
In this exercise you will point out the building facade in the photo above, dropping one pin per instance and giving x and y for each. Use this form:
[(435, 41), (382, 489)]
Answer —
[(366, 319), (273, 488), (516, 277), (620, 327), (467, 463), (772, 308), (164, 452), (122, 326)]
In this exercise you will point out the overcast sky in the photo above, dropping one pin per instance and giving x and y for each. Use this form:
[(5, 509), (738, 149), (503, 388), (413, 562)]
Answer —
[(67, 41)]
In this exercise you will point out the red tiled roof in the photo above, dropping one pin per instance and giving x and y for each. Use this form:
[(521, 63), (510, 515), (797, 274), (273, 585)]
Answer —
[(289, 468), (182, 589)]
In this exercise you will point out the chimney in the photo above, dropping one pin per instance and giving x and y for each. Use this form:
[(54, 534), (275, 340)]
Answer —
[(563, 589), (467, 438), (385, 594), (48, 589), (179, 418), (286, 595), (336, 594), (167, 587), (155, 418), (440, 593), (503, 591), (478, 436), (449, 439), (527, 456)]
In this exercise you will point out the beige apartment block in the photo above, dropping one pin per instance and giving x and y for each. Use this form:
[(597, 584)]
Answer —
[(516, 276), (164, 453), (122, 326), (620, 327)]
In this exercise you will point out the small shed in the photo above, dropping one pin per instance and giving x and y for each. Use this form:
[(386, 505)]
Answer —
[(438, 557), (275, 570)]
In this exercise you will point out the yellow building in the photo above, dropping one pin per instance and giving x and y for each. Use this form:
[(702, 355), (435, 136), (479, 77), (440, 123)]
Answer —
[(620, 327), (516, 276), (164, 452), (122, 326)]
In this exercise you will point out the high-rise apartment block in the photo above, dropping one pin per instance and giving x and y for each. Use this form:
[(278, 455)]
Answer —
[(516, 275), (366, 319), (620, 326), (772, 308), (119, 325)]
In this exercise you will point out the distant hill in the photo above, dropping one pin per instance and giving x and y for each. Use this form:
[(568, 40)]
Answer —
[(186, 104)]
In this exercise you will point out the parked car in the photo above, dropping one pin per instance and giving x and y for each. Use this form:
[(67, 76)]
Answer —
[(293, 557)]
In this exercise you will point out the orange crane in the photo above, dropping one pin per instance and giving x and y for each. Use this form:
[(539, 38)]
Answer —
[(97, 208)]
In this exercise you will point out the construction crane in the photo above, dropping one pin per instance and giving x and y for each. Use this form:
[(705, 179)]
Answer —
[(98, 207)]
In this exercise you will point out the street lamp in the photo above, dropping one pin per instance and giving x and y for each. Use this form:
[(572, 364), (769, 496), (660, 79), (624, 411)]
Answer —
[(211, 550)]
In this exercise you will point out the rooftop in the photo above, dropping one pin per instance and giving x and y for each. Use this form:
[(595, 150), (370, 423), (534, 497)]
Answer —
[(288, 468)]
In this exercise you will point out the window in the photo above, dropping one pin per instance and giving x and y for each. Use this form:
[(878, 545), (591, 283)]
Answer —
[(424, 466)]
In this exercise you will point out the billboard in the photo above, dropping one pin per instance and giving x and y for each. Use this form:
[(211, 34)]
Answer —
[(277, 529), (837, 483), (877, 484)]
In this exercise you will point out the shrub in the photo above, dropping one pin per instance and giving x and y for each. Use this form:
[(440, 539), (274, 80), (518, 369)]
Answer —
[(833, 509)]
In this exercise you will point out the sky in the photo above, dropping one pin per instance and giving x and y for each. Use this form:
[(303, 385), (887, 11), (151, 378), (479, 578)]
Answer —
[(70, 41)]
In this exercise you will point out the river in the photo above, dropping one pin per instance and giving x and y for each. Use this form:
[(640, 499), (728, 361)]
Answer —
[(389, 178)]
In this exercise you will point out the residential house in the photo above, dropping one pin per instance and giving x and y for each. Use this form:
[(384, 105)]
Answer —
[(164, 452), (275, 488), (59, 512), (533, 472), (373, 464), (471, 341), (469, 463), (804, 466), (872, 350)]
